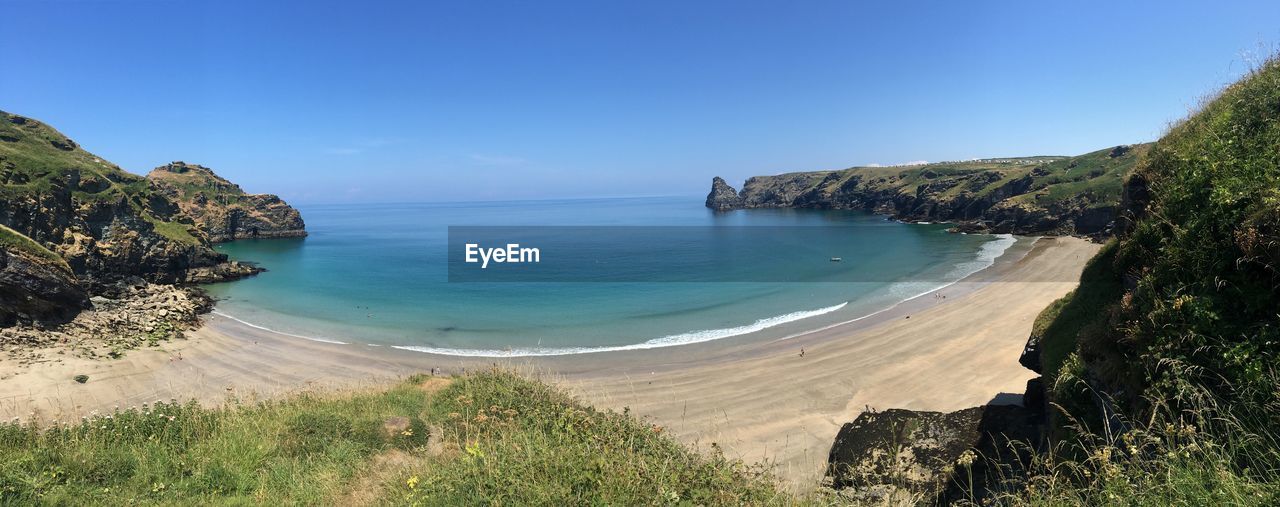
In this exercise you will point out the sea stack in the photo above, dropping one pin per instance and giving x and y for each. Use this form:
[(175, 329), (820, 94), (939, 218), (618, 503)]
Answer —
[(723, 197)]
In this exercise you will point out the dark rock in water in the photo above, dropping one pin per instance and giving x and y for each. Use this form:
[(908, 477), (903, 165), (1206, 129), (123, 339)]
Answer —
[(223, 272), (904, 455), (723, 197), (976, 227), (37, 290)]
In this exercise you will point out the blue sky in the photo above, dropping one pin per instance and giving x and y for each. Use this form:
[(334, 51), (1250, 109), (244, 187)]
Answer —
[(429, 101)]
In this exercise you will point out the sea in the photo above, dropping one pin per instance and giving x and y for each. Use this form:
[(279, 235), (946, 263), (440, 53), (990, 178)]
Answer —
[(379, 275)]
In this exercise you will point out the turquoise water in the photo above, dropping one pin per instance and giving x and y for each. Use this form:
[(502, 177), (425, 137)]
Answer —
[(378, 275)]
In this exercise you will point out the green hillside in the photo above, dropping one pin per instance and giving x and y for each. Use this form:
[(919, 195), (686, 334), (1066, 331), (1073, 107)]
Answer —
[(1026, 195), (36, 159), (1164, 359)]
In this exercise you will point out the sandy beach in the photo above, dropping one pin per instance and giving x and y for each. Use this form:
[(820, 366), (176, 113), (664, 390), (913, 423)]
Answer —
[(757, 399)]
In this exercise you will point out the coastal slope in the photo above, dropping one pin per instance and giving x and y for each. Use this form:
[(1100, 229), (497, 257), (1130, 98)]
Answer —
[(223, 210), (106, 224), (1021, 195), (95, 260), (1178, 314)]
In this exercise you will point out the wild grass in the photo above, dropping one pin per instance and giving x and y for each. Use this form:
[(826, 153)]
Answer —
[(1175, 458), (175, 231), (1162, 362), (489, 438)]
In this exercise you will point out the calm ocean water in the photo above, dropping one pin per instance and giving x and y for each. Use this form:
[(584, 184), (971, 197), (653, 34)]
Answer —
[(376, 274)]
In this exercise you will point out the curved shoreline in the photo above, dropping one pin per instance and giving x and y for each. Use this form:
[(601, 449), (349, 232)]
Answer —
[(988, 255), (756, 398)]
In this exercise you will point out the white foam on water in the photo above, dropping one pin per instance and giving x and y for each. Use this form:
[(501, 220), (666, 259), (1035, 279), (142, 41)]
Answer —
[(269, 330), (985, 258), (665, 341)]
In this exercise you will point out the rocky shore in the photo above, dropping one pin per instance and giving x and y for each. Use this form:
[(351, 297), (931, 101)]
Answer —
[(95, 260), (143, 314)]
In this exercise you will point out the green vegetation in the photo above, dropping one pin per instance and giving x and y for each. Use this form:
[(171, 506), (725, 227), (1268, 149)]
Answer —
[(1158, 464), (1098, 176), (1066, 195), (10, 238), (1162, 363), (176, 231), (490, 438), (189, 180), (36, 160)]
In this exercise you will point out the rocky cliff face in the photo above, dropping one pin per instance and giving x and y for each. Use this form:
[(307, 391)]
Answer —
[(1031, 195), (72, 224), (723, 197), (223, 210), (108, 225), (35, 288)]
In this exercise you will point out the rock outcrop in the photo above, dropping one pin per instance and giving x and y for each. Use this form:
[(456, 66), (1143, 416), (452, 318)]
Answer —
[(73, 226), (901, 456), (723, 197), (142, 314), (1030, 195), (35, 288), (107, 224), (221, 209)]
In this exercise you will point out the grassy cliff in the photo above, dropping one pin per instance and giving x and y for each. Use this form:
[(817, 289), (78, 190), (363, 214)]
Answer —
[(1063, 195), (1162, 364), (104, 222)]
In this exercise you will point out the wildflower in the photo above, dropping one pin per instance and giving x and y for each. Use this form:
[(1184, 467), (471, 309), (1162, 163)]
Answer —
[(407, 433), (481, 418), (412, 482), (966, 458)]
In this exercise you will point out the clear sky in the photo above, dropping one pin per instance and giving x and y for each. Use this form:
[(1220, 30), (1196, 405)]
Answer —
[(462, 100)]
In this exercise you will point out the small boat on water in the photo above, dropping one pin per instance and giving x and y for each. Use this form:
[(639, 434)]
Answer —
[(836, 259)]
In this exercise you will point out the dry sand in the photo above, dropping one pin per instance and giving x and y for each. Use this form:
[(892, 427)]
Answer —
[(758, 399)]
